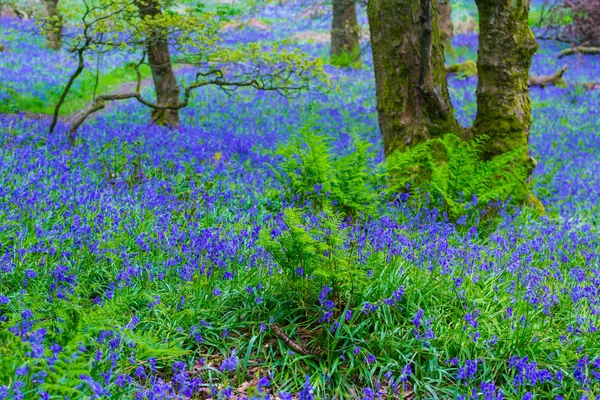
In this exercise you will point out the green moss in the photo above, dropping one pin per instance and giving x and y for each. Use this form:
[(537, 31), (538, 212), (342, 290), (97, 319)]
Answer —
[(465, 69)]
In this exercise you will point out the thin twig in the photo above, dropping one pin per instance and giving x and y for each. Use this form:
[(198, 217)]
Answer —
[(290, 342)]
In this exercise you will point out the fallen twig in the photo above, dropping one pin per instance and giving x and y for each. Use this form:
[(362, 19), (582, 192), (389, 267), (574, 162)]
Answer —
[(290, 342)]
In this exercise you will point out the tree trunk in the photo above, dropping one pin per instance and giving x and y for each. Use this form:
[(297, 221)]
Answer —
[(345, 42), (54, 27), (159, 58), (413, 103), (445, 22), (506, 46)]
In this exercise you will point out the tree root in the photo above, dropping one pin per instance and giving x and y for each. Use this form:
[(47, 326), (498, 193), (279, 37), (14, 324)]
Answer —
[(555, 79), (578, 50), (466, 68), (469, 68), (591, 85)]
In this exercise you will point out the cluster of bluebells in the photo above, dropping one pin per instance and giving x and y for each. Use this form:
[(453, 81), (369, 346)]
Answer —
[(42, 179), (528, 373), (230, 363), (327, 305), (396, 297), (424, 325)]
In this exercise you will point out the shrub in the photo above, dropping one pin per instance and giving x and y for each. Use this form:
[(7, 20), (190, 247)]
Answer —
[(312, 173), (311, 257), (450, 172), (574, 21)]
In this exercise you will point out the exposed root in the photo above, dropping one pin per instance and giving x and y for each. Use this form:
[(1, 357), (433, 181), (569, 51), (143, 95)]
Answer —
[(578, 50), (555, 79), (466, 68), (469, 68)]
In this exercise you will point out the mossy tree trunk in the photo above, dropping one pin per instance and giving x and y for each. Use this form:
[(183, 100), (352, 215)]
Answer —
[(506, 47), (345, 41), (413, 103), (159, 59), (54, 27), (445, 22)]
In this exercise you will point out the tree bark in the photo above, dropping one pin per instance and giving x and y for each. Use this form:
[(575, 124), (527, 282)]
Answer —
[(345, 41), (159, 59), (445, 22), (413, 103), (54, 27), (506, 47)]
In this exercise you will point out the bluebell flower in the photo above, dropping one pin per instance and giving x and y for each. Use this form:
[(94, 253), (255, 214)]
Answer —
[(230, 363), (262, 383)]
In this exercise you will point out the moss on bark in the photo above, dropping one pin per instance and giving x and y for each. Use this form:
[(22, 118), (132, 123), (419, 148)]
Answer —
[(345, 43), (413, 103), (506, 47), (165, 83), (54, 27)]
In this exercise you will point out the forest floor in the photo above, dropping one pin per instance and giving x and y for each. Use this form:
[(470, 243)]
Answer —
[(218, 260)]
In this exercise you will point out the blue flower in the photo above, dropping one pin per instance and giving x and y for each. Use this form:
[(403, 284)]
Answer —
[(230, 363)]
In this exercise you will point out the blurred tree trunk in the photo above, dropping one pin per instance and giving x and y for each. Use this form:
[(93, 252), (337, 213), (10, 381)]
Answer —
[(506, 47), (445, 22), (412, 94), (159, 59), (345, 41), (54, 27)]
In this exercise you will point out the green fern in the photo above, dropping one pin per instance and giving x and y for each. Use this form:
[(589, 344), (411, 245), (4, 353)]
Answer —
[(312, 172), (450, 171), (64, 376), (302, 251), (148, 345)]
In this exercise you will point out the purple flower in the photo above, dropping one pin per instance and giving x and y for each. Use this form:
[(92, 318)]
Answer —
[(467, 371), (22, 370), (140, 372), (471, 318), (262, 383), (306, 392), (230, 363), (418, 317)]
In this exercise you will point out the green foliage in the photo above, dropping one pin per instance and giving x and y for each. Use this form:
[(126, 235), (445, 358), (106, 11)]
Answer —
[(148, 345), (451, 172), (302, 251), (313, 172), (119, 26), (347, 59)]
